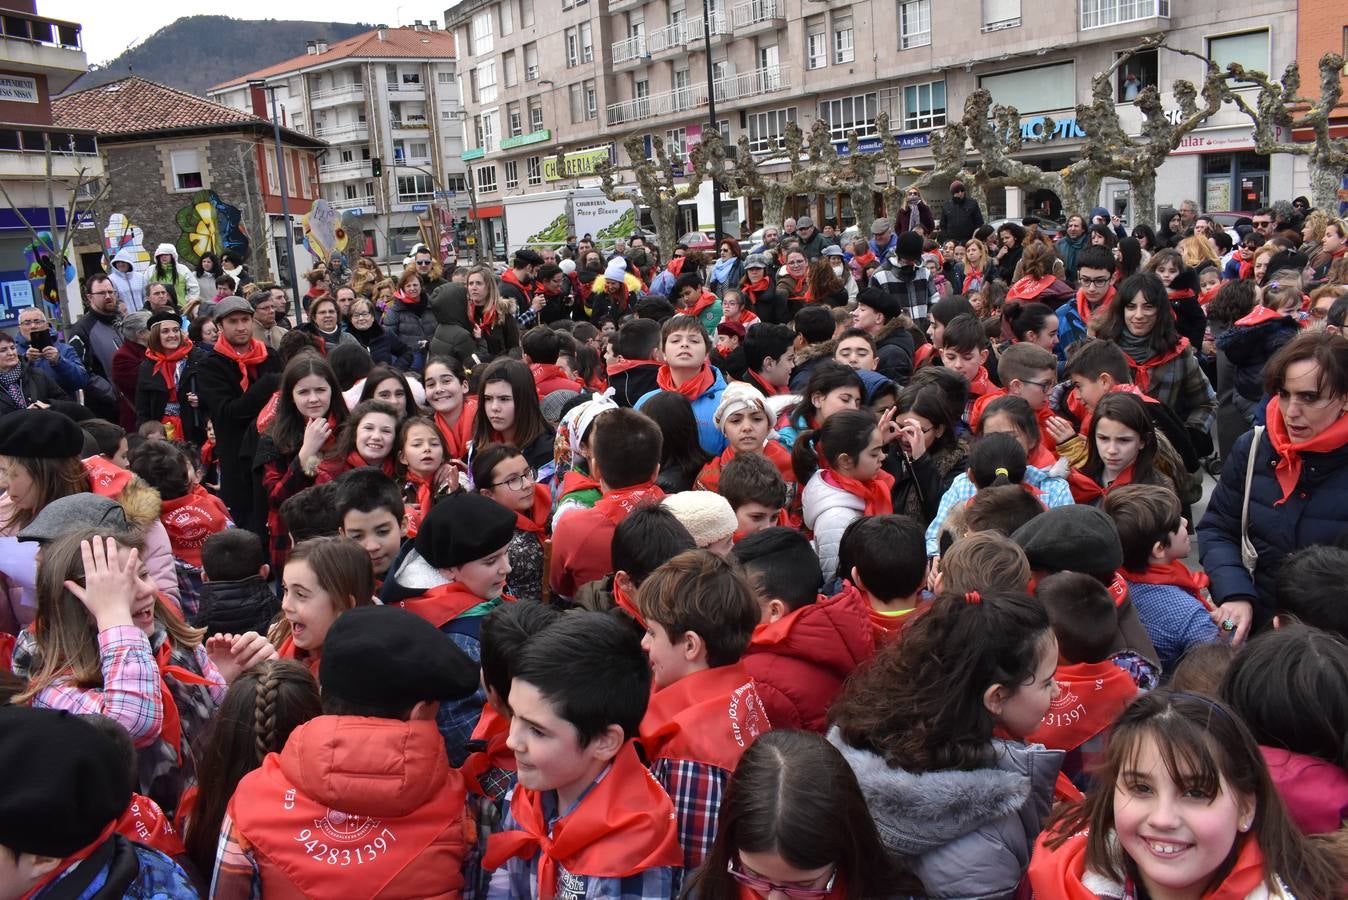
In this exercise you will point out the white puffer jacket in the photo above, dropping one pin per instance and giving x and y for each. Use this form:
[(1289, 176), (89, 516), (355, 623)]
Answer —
[(828, 510)]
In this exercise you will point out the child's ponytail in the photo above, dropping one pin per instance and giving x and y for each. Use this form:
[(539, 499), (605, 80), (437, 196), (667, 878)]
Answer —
[(996, 459), (804, 457), (844, 433)]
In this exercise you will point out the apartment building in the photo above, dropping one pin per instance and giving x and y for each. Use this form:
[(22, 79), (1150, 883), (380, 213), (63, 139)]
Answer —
[(583, 78), (387, 104), (39, 58)]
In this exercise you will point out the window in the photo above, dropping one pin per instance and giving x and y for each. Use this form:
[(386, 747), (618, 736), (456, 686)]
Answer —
[(486, 180), (444, 77), (535, 114), (514, 120), (816, 45), (456, 183), (591, 100), (419, 150), (187, 170), (482, 33), (486, 82), (477, 130), (508, 68), (1034, 90), (348, 156), (526, 13), (572, 37), (530, 62), (641, 92), (843, 51), (924, 106), (1099, 13), (683, 94), (767, 130), (349, 192), (999, 14), (914, 24), (415, 188), (1250, 49), (512, 174), (576, 96), (1140, 71), (472, 84), (489, 130), (586, 43), (507, 18), (533, 170), (850, 114), (676, 143)]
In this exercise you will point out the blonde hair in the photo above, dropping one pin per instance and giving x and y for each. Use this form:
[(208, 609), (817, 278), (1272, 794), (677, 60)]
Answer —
[(1318, 220), (984, 561), (1196, 250)]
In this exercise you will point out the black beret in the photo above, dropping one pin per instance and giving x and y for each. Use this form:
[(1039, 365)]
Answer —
[(67, 781), (1072, 538), (164, 315), (387, 657), (41, 434), (880, 300), (462, 528)]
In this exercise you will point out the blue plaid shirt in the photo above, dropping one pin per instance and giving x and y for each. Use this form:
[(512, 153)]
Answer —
[(1174, 620)]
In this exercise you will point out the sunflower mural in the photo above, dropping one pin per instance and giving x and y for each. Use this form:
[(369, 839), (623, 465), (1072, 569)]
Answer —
[(209, 224)]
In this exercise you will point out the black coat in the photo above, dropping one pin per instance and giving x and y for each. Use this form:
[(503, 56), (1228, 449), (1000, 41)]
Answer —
[(152, 396), (36, 387), (233, 411), (960, 219), (450, 308), (384, 346)]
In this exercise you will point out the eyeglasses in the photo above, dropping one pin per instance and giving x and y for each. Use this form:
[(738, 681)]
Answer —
[(1042, 385), (363, 314), (1095, 282), (1264, 224), (102, 293), (518, 482), (423, 262), (765, 887)]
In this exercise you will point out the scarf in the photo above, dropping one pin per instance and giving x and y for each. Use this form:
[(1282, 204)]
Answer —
[(575, 481), (355, 461), (708, 717), (1091, 695), (444, 603), (702, 302), (1206, 297), (166, 366), (752, 290), (722, 268), (536, 520), (1084, 308), (691, 389), (492, 730), (12, 381), (424, 491), (1059, 873), (622, 825), (190, 519), (509, 277), (1261, 314), (457, 435), (74, 859), (1142, 368), (1030, 287), (982, 384), (310, 658), (876, 493), (627, 604), (247, 360), (768, 390), (1179, 575), (172, 732), (1086, 489), (796, 288), (1246, 269), (616, 504), (488, 316), (1288, 469)]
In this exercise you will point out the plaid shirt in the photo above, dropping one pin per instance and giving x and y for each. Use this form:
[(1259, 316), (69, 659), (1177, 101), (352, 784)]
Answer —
[(696, 789), (1181, 385), (236, 875), (1174, 620), (1053, 492), (130, 692)]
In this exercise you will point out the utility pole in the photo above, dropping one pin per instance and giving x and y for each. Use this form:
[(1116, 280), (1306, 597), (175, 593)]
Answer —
[(711, 116), (285, 203)]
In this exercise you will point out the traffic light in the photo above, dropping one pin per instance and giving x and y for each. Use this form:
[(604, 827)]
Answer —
[(376, 166)]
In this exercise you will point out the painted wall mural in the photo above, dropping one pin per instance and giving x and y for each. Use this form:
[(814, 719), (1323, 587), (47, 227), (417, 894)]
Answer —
[(42, 272), (121, 233), (324, 233), (209, 224)]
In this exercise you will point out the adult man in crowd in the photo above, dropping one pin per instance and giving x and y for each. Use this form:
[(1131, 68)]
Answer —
[(812, 243), (234, 383), (882, 239), (1071, 244), (432, 276), (265, 306), (517, 282), (1188, 214), (904, 275), (960, 217), (55, 358), (95, 338)]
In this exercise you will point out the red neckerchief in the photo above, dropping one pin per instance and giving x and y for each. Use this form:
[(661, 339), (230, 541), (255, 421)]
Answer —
[(444, 603), (425, 491), (106, 478), (626, 365), (1179, 575), (457, 435), (865, 259), (310, 658), (1289, 452), (1030, 287), (146, 823), (708, 717), (1091, 695), (692, 388), (172, 732), (190, 519), (627, 604), (536, 521), (247, 360), (493, 728), (1261, 314), (767, 390), (166, 366), (509, 277), (1181, 294), (746, 318), (574, 481), (1084, 308), (1246, 269), (982, 384), (356, 461), (1206, 297), (702, 302), (1142, 371), (616, 504), (1058, 873), (543, 372), (752, 290), (1085, 489), (70, 861), (623, 825), (676, 265), (874, 493), (797, 288), (488, 316)]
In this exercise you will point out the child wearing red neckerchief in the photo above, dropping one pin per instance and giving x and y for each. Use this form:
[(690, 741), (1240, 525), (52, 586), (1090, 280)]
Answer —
[(700, 614), (882, 559), (587, 818), (756, 493), (501, 473), (1171, 600), (964, 349)]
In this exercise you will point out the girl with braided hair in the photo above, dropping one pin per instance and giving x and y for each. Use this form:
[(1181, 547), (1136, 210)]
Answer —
[(262, 707)]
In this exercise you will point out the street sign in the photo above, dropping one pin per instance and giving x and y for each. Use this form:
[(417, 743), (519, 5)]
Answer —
[(419, 207), (444, 195)]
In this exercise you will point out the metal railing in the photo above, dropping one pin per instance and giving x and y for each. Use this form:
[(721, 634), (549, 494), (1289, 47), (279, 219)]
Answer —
[(767, 80), (755, 12), (343, 132), (1102, 13), (353, 91), (684, 32), (20, 26), (628, 50)]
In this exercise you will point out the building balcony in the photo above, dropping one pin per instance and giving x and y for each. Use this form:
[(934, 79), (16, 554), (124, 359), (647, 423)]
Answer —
[(344, 134), (1104, 13), (769, 80), (630, 51), (402, 91), (36, 45), (343, 171), (410, 123), (757, 15), (364, 204), (678, 36), (347, 93), (413, 162), (23, 153), (620, 5)]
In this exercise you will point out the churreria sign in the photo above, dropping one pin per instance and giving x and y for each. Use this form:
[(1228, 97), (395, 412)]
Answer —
[(575, 165)]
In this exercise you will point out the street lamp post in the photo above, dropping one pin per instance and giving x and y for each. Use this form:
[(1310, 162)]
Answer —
[(711, 116), (285, 199)]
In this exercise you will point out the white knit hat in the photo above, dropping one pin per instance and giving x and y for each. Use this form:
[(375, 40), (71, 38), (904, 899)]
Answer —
[(707, 515), (617, 269), (737, 396), (567, 266), (581, 416)]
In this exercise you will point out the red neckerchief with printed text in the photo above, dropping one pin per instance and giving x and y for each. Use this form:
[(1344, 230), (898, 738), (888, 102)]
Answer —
[(709, 717)]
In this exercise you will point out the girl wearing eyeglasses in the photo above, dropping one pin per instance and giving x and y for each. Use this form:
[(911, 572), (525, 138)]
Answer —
[(501, 473)]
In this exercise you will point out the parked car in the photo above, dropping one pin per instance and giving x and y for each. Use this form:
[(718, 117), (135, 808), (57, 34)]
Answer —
[(1046, 226), (700, 240)]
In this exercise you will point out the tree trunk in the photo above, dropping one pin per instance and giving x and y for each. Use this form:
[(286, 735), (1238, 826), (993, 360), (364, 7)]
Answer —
[(863, 207), (666, 218), (1324, 184), (774, 207), (1082, 194), (1144, 199)]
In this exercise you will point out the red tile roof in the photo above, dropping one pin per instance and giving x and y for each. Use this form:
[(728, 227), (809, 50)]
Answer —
[(136, 105), (399, 43)]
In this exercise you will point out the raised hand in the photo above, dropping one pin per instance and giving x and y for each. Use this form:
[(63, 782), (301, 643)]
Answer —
[(234, 654), (109, 589)]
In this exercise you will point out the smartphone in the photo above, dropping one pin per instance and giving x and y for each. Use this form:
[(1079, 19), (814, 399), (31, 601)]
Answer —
[(40, 340)]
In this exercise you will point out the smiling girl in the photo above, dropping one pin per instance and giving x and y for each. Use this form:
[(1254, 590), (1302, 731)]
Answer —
[(1121, 449), (743, 418), (367, 439), (1185, 808), (832, 388), (501, 473), (162, 391), (447, 395), (388, 385), (422, 469), (324, 577)]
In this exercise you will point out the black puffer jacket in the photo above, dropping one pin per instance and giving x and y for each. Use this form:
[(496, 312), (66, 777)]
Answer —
[(234, 607), (411, 322), (449, 306)]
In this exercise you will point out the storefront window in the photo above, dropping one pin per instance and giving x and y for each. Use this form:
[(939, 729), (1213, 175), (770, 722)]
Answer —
[(1236, 182)]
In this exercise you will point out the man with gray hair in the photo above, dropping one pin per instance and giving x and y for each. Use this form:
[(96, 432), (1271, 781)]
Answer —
[(126, 364), (265, 309), (1188, 214)]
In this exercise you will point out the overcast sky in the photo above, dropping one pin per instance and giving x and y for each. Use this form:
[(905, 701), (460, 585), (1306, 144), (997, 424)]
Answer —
[(109, 28)]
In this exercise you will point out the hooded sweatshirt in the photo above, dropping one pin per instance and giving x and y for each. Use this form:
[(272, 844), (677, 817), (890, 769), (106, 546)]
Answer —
[(184, 284), (130, 285)]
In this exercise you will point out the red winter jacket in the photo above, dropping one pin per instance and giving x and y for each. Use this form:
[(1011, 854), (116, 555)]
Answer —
[(800, 662)]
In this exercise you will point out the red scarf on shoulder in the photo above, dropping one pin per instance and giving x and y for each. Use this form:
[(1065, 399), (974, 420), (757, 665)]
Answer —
[(574, 481), (1090, 696), (616, 504), (1030, 287), (876, 493), (627, 604), (444, 603), (622, 826), (310, 659), (146, 823), (702, 302), (488, 316), (1084, 308), (1176, 573), (536, 520), (693, 388), (709, 717), (356, 461), (166, 365), (982, 384), (1288, 470), (172, 732), (1086, 489), (456, 437), (1142, 371), (754, 289), (247, 360), (493, 728), (425, 492)]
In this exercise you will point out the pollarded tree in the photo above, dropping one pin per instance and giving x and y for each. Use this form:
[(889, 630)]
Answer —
[(855, 174), (656, 186), (1280, 106), (747, 178), (950, 154)]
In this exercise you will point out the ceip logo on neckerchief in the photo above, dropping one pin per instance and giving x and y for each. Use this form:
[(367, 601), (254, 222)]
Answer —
[(747, 719), (346, 828)]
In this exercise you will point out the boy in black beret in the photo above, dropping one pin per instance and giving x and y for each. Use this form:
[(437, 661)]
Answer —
[(454, 575), (69, 785), (361, 801)]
